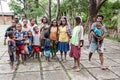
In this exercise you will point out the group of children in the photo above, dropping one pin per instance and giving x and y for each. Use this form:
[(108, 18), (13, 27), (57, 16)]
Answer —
[(31, 40)]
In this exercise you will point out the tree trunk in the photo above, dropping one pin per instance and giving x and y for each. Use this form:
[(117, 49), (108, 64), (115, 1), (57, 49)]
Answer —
[(49, 11), (118, 27), (58, 9), (94, 6)]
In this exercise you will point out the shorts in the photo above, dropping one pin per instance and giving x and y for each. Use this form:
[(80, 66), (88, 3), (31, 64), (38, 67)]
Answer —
[(20, 49), (36, 49), (12, 57), (47, 53), (94, 47), (75, 52)]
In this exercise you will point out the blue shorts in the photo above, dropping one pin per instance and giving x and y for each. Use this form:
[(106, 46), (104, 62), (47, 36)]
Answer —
[(47, 53), (94, 47)]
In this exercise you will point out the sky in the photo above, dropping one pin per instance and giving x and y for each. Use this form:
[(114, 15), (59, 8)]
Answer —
[(5, 7)]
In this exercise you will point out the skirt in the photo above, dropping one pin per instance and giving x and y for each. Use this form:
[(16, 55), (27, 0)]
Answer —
[(75, 51), (63, 46), (54, 48)]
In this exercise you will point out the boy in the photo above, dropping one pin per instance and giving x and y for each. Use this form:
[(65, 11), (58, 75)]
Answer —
[(19, 38), (11, 48)]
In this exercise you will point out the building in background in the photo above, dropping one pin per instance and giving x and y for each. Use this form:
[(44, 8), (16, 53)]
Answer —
[(6, 14)]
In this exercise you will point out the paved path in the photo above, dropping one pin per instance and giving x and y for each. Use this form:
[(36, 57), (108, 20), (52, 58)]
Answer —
[(39, 69)]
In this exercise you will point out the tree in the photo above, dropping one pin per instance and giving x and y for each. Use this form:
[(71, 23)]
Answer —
[(58, 9), (94, 6), (49, 3)]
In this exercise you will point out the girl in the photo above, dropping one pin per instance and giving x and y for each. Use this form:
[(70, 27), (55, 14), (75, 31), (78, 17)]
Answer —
[(64, 37), (77, 43), (36, 41), (25, 25), (32, 24), (53, 37)]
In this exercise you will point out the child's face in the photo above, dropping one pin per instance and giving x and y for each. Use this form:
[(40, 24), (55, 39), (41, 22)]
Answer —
[(44, 20), (63, 22), (98, 25), (25, 22), (36, 29), (29, 33), (33, 21), (54, 23), (19, 27)]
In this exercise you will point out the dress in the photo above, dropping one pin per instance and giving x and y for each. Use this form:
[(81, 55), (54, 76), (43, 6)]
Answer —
[(63, 44)]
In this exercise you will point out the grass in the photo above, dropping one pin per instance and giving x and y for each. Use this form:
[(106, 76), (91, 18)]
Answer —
[(113, 38)]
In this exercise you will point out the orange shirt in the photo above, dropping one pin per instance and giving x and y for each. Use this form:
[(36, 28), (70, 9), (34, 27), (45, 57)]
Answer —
[(53, 33)]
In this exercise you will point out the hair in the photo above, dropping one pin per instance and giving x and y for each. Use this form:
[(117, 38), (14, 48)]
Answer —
[(52, 24), (78, 20), (61, 20), (35, 27), (10, 34), (45, 18), (24, 15), (46, 35), (100, 16), (19, 24)]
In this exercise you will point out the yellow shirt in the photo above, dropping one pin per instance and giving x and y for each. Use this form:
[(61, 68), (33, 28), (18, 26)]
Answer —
[(63, 36)]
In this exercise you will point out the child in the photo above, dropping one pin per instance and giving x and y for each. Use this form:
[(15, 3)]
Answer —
[(26, 46), (19, 38), (30, 38), (97, 30), (36, 41), (47, 47), (44, 28), (11, 48), (53, 37), (77, 43), (64, 37)]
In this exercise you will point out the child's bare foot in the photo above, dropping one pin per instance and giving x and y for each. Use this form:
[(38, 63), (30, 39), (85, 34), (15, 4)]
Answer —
[(74, 67), (78, 69), (103, 67)]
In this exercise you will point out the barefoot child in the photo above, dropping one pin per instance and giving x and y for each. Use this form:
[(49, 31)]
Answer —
[(11, 48), (47, 47), (98, 34), (77, 43), (19, 39), (36, 41), (53, 37)]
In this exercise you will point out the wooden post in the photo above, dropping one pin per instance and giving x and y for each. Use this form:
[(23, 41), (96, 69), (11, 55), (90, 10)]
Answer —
[(118, 27)]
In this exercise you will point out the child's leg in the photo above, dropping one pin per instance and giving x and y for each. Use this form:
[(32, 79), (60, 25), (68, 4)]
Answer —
[(18, 61), (61, 55), (65, 55), (78, 65), (23, 58), (75, 61)]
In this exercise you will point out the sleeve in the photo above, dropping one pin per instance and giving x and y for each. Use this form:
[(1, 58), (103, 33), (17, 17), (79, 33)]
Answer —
[(81, 33), (6, 33), (104, 28)]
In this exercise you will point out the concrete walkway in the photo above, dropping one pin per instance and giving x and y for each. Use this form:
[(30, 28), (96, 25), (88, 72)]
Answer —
[(39, 69)]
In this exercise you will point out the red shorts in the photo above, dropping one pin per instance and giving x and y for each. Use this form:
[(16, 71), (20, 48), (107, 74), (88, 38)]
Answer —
[(36, 49), (75, 51), (20, 49)]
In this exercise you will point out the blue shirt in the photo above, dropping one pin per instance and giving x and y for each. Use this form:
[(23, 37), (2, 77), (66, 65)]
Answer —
[(97, 32), (19, 35), (47, 45)]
